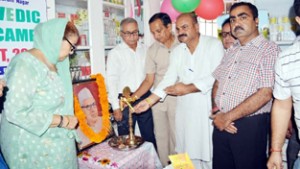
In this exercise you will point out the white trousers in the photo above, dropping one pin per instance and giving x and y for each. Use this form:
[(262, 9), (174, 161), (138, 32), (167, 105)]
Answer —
[(199, 164)]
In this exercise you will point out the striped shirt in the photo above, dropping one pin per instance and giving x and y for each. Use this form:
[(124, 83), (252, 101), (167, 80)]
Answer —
[(287, 77), (243, 71)]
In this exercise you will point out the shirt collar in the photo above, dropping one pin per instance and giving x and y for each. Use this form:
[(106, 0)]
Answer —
[(175, 42), (257, 41), (125, 46)]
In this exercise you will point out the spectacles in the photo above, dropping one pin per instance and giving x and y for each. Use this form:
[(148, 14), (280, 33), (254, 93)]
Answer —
[(73, 47), (128, 34), (225, 34), (89, 106)]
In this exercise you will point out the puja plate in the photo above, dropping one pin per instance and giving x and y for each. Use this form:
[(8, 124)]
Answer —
[(122, 143)]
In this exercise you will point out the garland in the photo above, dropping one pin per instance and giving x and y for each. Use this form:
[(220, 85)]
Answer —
[(85, 128)]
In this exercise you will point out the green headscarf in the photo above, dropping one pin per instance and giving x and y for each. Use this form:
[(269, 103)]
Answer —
[(48, 37)]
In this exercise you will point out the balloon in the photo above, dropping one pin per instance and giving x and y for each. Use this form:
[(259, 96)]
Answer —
[(185, 6), (210, 9), (167, 8)]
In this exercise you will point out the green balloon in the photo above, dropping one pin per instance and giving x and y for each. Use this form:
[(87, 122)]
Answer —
[(185, 6)]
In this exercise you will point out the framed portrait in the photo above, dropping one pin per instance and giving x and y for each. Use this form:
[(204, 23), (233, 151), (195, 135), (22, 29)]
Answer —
[(92, 110)]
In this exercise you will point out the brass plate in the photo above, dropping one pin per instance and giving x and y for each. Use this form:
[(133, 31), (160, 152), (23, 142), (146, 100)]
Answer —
[(121, 143)]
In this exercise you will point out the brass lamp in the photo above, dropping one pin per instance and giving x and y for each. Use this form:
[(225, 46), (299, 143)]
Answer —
[(128, 100)]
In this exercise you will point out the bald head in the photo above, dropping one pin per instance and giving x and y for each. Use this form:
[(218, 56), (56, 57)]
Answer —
[(190, 15)]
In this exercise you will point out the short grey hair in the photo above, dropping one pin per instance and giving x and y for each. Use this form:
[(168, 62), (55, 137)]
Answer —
[(128, 20)]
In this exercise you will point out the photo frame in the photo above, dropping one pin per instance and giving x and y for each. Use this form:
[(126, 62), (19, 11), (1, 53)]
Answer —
[(91, 108)]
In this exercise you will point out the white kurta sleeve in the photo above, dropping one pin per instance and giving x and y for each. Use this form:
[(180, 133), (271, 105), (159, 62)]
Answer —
[(170, 76), (215, 53)]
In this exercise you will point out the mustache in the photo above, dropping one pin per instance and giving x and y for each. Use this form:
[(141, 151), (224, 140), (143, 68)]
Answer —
[(237, 28), (182, 35)]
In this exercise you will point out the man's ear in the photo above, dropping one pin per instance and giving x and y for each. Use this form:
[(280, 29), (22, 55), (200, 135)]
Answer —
[(297, 18), (169, 26), (257, 21)]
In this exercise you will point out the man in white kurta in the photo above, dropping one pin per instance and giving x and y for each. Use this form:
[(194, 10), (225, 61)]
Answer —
[(192, 64), (125, 68)]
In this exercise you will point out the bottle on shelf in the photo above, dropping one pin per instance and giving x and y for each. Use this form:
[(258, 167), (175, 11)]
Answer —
[(282, 29)]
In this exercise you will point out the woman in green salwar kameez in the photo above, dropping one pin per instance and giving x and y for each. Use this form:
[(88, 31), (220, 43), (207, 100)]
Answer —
[(37, 124)]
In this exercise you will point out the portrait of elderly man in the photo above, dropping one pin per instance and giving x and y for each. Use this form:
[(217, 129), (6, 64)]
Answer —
[(93, 119)]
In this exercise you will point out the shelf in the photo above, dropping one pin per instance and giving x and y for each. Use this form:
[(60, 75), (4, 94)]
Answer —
[(108, 47), (109, 4), (73, 3), (284, 42), (83, 48)]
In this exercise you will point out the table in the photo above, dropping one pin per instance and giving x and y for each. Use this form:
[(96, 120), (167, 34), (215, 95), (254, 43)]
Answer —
[(102, 156)]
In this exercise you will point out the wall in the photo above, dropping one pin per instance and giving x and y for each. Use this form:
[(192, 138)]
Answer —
[(276, 7)]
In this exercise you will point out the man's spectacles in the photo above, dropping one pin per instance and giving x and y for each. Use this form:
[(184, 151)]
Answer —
[(73, 47), (128, 34), (89, 106), (225, 34)]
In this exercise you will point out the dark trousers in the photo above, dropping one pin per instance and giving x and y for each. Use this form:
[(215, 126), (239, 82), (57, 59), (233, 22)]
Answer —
[(145, 122), (247, 149), (293, 148)]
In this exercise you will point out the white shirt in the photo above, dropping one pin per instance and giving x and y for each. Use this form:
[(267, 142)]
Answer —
[(125, 67), (287, 78)]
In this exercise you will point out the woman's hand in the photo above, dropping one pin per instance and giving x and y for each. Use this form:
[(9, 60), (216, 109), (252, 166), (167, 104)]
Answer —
[(69, 122), (64, 121)]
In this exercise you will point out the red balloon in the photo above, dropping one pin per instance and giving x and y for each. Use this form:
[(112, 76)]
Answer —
[(210, 9)]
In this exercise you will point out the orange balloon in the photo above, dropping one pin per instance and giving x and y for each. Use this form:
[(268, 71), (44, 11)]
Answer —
[(210, 9)]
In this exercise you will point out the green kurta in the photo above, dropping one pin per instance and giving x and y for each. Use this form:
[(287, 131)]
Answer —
[(35, 94)]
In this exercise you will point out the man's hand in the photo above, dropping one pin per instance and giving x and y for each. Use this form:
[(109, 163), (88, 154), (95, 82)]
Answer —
[(222, 121), (118, 115), (177, 89), (275, 161), (2, 85), (231, 128), (141, 106)]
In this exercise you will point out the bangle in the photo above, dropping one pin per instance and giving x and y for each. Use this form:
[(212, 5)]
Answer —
[(275, 150), (149, 101), (68, 121), (61, 121)]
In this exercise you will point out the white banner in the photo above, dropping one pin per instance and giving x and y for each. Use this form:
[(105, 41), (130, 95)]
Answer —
[(17, 21)]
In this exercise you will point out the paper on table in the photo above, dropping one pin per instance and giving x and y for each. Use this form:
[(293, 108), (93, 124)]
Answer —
[(180, 161)]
